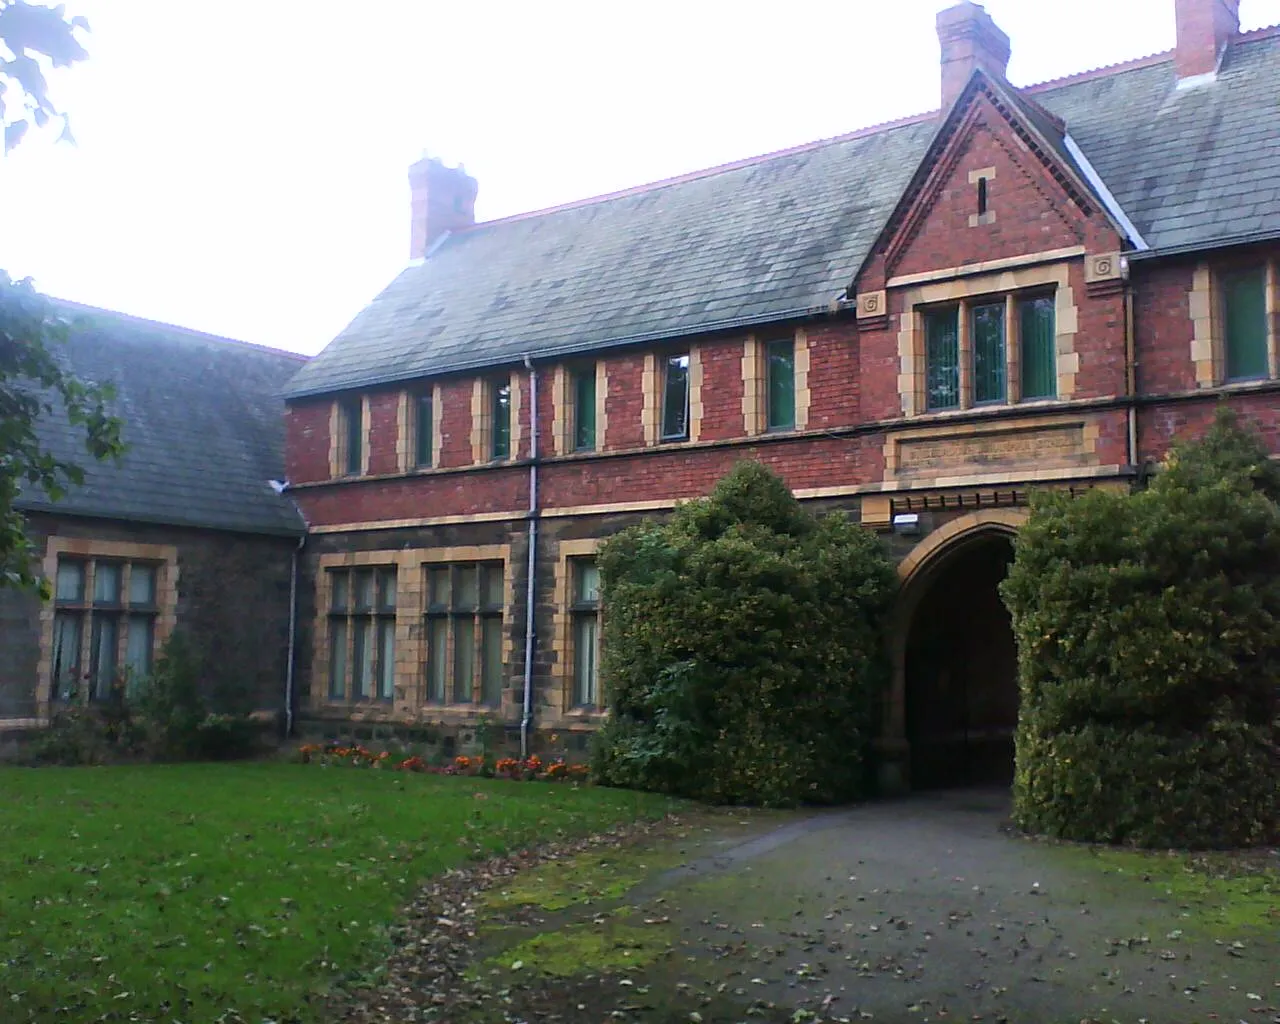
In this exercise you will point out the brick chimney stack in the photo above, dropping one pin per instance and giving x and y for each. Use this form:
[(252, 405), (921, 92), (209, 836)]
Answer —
[(1205, 27), (442, 199), (969, 39)]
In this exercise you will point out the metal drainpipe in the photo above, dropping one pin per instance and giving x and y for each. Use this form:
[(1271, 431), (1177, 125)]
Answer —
[(293, 629), (1131, 374), (527, 718)]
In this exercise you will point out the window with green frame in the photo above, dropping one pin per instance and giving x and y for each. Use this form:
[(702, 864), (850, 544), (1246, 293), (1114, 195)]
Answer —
[(500, 418), (1244, 314), (464, 663), (362, 634), (351, 415), (1037, 341), (584, 408), (585, 614), (423, 428), (780, 384), (987, 347), (942, 358)]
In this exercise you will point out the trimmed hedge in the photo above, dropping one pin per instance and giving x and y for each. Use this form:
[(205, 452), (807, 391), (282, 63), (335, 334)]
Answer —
[(743, 649), (1148, 629)]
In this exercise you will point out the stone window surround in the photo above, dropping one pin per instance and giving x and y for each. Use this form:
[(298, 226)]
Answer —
[(755, 382), (1204, 307), (165, 556), (965, 291), (562, 406), (409, 686), (407, 426), (562, 635), (652, 389), (482, 418), (338, 437)]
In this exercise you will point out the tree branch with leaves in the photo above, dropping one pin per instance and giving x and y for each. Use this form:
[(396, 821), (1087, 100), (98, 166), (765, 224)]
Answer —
[(34, 382), (33, 37)]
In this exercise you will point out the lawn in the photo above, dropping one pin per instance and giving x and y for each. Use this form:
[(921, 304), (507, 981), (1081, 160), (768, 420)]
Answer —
[(201, 893)]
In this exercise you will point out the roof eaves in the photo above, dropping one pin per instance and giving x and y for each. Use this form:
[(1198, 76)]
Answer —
[(184, 522), (1248, 238), (560, 351)]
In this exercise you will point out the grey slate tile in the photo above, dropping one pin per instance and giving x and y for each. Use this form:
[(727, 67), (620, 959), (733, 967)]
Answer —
[(786, 233), (202, 421)]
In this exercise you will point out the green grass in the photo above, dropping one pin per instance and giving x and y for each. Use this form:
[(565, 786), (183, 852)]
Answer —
[(195, 893)]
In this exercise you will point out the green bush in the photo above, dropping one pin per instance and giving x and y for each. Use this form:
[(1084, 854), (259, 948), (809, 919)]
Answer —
[(743, 649), (161, 717), (1148, 629)]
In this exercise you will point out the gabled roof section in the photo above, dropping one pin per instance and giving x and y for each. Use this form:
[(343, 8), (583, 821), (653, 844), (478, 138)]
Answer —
[(203, 421), (1042, 132), (756, 242), (1191, 167), (770, 238)]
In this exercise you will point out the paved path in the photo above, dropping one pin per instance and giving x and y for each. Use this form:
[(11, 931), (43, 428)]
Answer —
[(924, 909)]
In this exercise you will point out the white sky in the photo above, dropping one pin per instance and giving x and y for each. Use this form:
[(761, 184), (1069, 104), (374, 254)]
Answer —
[(241, 164)]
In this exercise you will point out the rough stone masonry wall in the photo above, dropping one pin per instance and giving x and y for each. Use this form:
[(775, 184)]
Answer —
[(232, 596)]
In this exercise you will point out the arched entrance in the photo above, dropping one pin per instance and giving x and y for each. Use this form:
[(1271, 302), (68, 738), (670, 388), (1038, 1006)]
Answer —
[(956, 662)]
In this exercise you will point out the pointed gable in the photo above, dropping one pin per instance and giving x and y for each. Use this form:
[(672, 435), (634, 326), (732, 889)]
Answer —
[(998, 181)]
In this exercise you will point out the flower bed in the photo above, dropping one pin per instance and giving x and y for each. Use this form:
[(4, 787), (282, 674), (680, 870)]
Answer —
[(528, 769)]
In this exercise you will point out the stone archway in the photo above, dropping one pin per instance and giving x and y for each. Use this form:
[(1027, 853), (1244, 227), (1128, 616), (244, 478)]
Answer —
[(953, 703)]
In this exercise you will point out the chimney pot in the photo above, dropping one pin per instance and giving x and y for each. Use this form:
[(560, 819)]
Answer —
[(442, 199), (1205, 27), (969, 39)]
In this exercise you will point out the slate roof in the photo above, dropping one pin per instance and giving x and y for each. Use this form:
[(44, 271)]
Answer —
[(782, 235), (202, 419)]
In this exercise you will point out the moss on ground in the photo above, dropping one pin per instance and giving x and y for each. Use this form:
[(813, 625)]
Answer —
[(591, 877), (1215, 896), (608, 945)]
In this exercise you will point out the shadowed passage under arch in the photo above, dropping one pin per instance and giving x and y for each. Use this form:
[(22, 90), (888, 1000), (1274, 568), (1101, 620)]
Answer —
[(960, 664)]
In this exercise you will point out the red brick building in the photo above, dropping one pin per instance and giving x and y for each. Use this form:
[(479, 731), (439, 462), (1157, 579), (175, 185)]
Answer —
[(915, 323)]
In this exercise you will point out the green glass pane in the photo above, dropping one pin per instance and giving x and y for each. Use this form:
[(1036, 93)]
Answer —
[(364, 590), (491, 660), (353, 418), (585, 660), (423, 427), (781, 392), (1245, 309), (362, 659), (491, 586), (106, 583), (142, 586), (464, 659), (437, 658), (942, 359), (501, 418), (986, 327), (386, 590), (66, 653), (586, 582), (675, 399), (102, 654), (386, 658), (70, 581), (138, 649), (1036, 358), (337, 659), (466, 592), (438, 587), (584, 409)]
